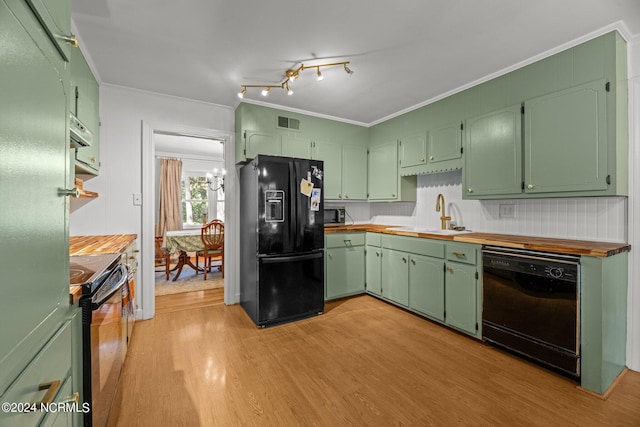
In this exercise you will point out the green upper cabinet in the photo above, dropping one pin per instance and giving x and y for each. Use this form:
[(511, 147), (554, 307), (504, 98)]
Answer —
[(331, 155), (385, 183), (85, 106), (56, 16), (345, 170), (354, 172), (413, 150), (259, 142), (445, 143), (493, 146), (565, 140), (341, 146), (383, 172), (296, 147), (573, 128)]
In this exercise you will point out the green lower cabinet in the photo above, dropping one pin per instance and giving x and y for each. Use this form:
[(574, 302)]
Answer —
[(373, 269), (426, 286), (461, 296), (344, 272), (395, 276)]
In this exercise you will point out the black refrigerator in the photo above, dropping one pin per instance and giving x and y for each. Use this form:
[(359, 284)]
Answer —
[(281, 239)]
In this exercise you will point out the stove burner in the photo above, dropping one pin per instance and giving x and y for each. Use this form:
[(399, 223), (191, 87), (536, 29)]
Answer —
[(85, 269)]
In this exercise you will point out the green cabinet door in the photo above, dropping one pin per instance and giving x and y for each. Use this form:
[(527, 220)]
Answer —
[(354, 172), (445, 143), (33, 168), (331, 155), (383, 171), (566, 140), (426, 286), (493, 154), (257, 142), (461, 296), (85, 106), (395, 276), (373, 264), (56, 16), (344, 271), (413, 150), (296, 147)]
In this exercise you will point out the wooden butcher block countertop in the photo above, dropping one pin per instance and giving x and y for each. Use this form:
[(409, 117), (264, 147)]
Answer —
[(94, 245), (565, 246)]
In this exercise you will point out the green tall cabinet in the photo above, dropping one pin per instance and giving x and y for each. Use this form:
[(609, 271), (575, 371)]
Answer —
[(35, 338)]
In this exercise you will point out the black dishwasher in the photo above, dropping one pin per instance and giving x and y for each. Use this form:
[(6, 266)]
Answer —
[(531, 305)]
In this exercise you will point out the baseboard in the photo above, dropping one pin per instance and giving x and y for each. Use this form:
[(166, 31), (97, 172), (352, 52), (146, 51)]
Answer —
[(609, 390)]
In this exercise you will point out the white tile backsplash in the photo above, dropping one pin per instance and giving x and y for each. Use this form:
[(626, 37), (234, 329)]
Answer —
[(584, 218)]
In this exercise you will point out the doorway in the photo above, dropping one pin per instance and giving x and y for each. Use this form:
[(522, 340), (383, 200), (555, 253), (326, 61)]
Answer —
[(204, 154), (201, 199)]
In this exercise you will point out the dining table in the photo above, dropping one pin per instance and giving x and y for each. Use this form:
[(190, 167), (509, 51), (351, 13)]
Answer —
[(182, 242)]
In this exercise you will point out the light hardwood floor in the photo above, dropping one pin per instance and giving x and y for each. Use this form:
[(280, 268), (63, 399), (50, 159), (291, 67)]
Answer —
[(363, 362)]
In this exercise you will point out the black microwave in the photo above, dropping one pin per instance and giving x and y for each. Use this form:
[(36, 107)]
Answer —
[(334, 216)]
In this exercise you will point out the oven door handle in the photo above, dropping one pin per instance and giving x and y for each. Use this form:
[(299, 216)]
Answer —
[(104, 295)]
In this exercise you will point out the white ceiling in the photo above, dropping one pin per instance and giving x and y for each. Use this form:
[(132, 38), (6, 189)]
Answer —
[(403, 53)]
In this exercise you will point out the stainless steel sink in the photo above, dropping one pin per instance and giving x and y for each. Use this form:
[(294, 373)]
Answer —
[(426, 230)]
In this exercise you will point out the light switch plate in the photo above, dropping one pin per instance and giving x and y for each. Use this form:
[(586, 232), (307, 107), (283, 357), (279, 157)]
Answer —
[(506, 210), (137, 199)]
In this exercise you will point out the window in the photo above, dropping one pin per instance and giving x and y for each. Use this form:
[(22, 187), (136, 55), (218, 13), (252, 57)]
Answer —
[(195, 199), (199, 200)]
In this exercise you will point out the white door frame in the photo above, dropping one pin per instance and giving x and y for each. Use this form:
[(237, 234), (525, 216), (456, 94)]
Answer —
[(146, 309)]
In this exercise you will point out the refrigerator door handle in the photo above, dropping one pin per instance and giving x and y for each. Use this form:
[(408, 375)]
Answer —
[(293, 214), (272, 260)]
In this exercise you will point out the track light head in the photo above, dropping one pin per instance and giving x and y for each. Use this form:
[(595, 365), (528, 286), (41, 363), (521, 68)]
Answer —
[(348, 70), (265, 91), (319, 74), (241, 94)]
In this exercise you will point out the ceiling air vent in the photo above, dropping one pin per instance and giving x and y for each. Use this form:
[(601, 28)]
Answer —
[(287, 123)]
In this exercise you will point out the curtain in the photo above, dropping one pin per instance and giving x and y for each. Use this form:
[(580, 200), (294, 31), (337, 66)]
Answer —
[(170, 217)]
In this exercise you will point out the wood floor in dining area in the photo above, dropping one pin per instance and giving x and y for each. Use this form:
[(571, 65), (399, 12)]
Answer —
[(362, 363)]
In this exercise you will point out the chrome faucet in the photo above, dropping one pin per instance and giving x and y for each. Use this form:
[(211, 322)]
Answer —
[(443, 217)]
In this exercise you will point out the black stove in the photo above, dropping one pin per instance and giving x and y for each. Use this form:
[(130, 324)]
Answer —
[(87, 270)]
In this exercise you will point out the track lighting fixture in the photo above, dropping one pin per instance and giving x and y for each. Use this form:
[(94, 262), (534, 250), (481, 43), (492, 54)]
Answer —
[(291, 75)]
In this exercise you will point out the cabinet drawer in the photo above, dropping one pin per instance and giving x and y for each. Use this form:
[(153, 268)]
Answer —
[(374, 239), (41, 379), (415, 245), (342, 240), (461, 253)]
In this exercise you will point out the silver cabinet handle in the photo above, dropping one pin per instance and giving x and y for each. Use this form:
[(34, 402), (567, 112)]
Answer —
[(530, 186), (329, 254), (346, 196), (75, 192), (339, 196), (430, 157), (449, 270), (469, 190), (459, 254), (404, 260), (393, 194), (377, 253), (413, 261)]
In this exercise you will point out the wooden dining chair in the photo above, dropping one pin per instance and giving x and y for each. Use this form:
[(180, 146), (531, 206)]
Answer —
[(212, 236), (163, 258)]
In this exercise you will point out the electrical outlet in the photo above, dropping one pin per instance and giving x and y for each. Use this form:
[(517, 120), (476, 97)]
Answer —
[(506, 210), (137, 199)]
